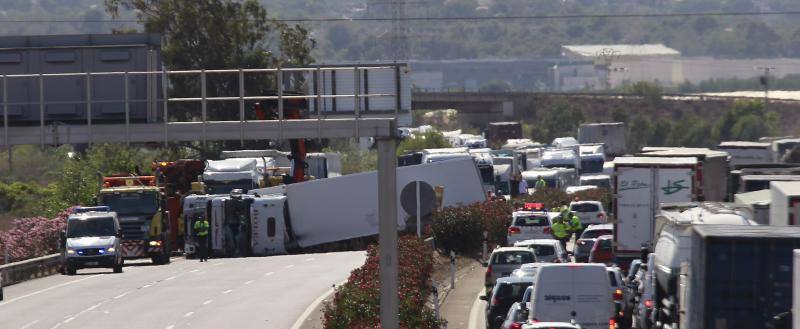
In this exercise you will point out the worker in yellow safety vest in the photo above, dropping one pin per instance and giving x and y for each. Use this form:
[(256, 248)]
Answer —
[(561, 231), (201, 235)]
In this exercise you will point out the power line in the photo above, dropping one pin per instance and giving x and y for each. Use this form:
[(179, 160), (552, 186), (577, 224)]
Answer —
[(440, 19)]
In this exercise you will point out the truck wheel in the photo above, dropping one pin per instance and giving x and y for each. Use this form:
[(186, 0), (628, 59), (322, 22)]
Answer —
[(156, 259), (165, 258), (71, 270), (118, 267)]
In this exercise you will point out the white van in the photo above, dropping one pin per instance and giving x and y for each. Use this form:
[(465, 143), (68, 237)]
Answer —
[(565, 292)]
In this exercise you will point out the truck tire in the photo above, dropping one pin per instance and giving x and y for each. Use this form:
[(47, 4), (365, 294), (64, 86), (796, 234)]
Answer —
[(71, 270), (118, 267)]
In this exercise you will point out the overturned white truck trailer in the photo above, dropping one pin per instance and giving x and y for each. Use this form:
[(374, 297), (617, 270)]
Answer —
[(330, 214)]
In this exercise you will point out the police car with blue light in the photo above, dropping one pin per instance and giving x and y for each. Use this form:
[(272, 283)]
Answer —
[(92, 240)]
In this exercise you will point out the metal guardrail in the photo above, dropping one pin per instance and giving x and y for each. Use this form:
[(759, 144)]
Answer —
[(25, 270)]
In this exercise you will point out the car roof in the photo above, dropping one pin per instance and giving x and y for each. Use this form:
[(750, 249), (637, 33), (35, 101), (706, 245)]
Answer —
[(519, 213), (544, 325), (516, 279), (537, 241), (502, 249), (585, 201), (605, 237), (92, 214), (600, 227)]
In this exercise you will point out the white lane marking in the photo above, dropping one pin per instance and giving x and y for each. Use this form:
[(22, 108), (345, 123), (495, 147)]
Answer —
[(475, 311), (56, 326), (29, 324), (299, 322), (48, 289), (289, 266), (171, 326), (309, 259), (208, 302), (69, 320), (188, 314), (147, 286), (122, 295), (268, 273), (227, 291), (194, 270), (67, 316), (93, 307), (248, 282), (169, 278)]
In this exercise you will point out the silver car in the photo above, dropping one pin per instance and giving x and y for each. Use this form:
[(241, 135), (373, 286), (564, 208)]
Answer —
[(505, 260), (546, 250)]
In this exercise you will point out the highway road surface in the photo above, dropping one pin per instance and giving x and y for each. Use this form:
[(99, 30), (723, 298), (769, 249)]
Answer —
[(259, 292)]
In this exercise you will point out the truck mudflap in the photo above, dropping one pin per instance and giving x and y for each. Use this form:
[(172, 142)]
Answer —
[(133, 248)]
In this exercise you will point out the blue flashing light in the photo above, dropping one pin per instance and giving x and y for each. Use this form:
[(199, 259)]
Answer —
[(101, 251)]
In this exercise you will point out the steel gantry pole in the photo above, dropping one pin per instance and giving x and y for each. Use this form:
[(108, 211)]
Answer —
[(387, 239)]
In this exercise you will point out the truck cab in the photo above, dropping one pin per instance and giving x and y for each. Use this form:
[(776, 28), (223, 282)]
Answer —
[(92, 239), (224, 176), (142, 218), (248, 225)]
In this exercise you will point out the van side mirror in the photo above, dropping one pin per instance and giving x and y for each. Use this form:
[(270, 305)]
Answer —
[(523, 313), (119, 233), (484, 298), (485, 264)]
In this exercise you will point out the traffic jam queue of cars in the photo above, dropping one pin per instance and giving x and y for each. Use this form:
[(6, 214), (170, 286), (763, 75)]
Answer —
[(534, 283)]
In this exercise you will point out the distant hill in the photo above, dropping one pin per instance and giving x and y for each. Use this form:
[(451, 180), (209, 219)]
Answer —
[(720, 36)]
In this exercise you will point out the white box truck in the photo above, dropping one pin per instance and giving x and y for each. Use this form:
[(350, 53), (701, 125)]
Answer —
[(743, 153), (711, 177), (640, 185), (611, 134), (785, 204), (327, 214)]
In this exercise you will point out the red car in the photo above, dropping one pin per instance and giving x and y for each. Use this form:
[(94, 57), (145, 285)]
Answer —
[(602, 251)]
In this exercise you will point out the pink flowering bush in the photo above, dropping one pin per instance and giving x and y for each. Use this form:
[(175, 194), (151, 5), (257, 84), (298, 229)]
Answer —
[(32, 237), (356, 304)]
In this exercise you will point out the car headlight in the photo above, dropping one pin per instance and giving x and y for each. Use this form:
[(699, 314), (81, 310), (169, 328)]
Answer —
[(111, 249), (71, 251), (155, 243)]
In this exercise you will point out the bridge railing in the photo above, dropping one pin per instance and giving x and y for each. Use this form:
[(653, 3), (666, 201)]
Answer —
[(17, 272), (317, 88)]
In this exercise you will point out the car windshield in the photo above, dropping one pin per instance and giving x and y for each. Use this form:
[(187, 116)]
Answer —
[(544, 250), (593, 234), (551, 182), (217, 187), (98, 226), (513, 258), (532, 220), (604, 244), (509, 293), (131, 203), (601, 183), (612, 278), (585, 207), (591, 166)]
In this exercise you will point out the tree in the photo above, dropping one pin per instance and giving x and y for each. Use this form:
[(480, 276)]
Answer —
[(220, 34), (560, 120), (746, 120), (496, 86), (428, 140)]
